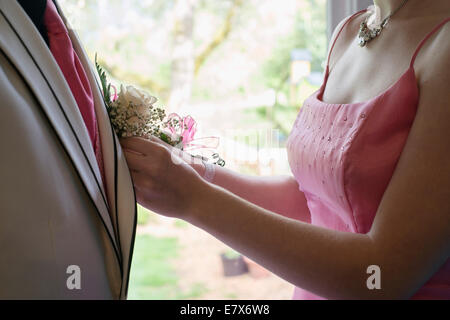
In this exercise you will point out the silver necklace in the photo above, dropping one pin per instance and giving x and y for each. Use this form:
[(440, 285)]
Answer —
[(368, 32)]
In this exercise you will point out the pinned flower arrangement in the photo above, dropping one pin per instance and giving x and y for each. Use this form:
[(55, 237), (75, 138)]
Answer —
[(133, 112)]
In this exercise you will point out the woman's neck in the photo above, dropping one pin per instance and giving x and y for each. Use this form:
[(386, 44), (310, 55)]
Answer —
[(387, 6)]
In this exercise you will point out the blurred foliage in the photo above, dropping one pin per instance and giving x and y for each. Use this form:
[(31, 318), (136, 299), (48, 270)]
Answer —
[(145, 216), (142, 215), (283, 116), (220, 36), (133, 41), (309, 33), (180, 224), (242, 83), (231, 254)]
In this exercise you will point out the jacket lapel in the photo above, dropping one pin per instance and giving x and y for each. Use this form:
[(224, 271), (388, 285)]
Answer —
[(23, 45), (105, 131), (120, 189)]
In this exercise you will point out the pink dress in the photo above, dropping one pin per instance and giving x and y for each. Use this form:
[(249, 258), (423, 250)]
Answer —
[(344, 155)]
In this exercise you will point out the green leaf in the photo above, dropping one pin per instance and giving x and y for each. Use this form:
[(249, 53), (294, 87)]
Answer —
[(106, 87), (164, 137)]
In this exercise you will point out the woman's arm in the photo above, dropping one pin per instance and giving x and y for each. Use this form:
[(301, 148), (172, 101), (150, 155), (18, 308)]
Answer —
[(278, 194), (329, 263)]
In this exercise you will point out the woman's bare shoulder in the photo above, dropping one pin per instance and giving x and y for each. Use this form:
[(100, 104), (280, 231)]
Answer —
[(433, 60), (432, 68), (347, 35)]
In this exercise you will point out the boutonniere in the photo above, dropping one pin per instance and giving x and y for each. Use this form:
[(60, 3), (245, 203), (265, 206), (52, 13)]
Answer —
[(133, 112)]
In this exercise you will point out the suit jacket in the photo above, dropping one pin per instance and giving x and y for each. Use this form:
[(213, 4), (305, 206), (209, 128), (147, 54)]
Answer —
[(54, 210)]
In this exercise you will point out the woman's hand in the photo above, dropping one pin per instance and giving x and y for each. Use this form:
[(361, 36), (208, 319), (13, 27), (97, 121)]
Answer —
[(164, 180)]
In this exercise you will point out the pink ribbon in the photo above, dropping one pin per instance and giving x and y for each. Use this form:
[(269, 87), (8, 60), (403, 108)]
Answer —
[(114, 96), (187, 127), (203, 143)]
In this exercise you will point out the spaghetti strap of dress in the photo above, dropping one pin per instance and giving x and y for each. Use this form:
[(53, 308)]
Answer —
[(428, 36), (339, 33)]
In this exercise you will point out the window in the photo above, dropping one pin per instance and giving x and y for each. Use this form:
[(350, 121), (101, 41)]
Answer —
[(241, 69)]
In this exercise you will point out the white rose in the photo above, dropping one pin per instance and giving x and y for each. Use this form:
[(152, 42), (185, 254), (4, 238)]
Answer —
[(143, 110), (135, 96), (147, 98), (138, 97), (140, 100), (133, 112), (122, 97)]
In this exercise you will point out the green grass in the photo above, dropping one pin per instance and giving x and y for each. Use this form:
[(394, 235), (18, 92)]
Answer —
[(145, 216), (231, 296), (180, 224), (152, 273), (196, 291)]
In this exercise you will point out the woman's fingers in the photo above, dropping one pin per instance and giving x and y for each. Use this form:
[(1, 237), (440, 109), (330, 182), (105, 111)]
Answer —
[(149, 158), (165, 145), (159, 141), (152, 145), (141, 145), (161, 174)]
